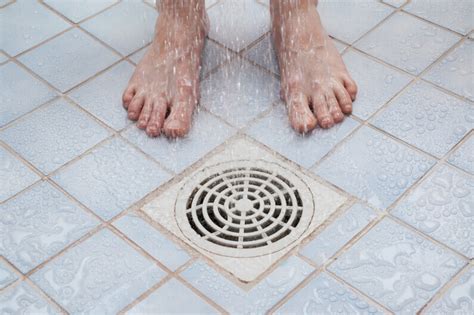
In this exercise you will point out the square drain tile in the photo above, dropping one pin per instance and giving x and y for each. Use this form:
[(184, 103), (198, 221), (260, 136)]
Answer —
[(244, 208)]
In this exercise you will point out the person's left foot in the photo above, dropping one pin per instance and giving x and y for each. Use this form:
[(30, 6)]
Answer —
[(315, 83)]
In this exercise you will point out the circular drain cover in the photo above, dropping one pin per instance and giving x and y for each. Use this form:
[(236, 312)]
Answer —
[(244, 208)]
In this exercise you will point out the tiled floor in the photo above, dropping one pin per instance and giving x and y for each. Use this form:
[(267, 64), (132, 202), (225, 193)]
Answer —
[(74, 171)]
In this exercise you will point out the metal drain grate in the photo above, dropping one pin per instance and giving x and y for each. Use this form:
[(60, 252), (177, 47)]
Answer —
[(244, 208)]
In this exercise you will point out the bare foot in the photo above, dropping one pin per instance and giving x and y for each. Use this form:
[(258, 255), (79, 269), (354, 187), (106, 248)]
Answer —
[(315, 83), (164, 88)]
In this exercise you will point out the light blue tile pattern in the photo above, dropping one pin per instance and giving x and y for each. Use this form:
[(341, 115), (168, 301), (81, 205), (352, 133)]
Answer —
[(257, 300), (397, 267), (38, 223), (99, 276), (23, 299), (7, 275), (78, 10), (111, 178), (374, 167), (152, 241), (264, 55), (53, 135), (463, 157)]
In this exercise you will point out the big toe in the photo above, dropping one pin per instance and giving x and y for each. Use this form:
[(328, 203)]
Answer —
[(351, 86), (176, 128), (301, 118)]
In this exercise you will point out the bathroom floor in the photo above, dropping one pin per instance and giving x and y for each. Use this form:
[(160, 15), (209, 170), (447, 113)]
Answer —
[(85, 225)]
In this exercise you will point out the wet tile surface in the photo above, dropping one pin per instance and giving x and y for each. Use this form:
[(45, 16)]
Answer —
[(435, 124), (99, 276), (78, 10), (53, 135), (38, 223), (7, 275), (407, 42), (263, 54), (107, 182), (23, 299), (463, 156), (397, 267)]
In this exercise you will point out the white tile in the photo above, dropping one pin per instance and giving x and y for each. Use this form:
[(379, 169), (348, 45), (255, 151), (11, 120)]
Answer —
[(78, 10), (7, 275), (395, 3), (23, 299), (53, 135), (69, 59), (263, 54), (463, 156), (213, 55), (17, 35), (3, 57), (407, 42)]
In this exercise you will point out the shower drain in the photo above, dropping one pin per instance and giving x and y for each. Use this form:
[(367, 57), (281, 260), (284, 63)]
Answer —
[(244, 208)]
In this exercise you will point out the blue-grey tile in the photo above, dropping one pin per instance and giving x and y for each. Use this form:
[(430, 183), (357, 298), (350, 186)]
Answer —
[(14, 175), (18, 36), (407, 42), (53, 135), (376, 83), (69, 59), (443, 207), (239, 92), (172, 298), (275, 131), (238, 23), (101, 275), (137, 56), (206, 133), (38, 223), (458, 299), (456, 71), (427, 118), (353, 26), (102, 96), (126, 26), (257, 300), (152, 241), (78, 10), (3, 3), (7, 275), (397, 267), (336, 235), (455, 15), (15, 102), (111, 178), (263, 54), (395, 3), (3, 57), (212, 56), (374, 167), (463, 157), (23, 299), (324, 295)]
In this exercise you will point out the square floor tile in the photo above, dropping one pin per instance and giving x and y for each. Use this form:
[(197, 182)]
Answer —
[(275, 131), (407, 42), (263, 54), (455, 15), (436, 124), (53, 135), (257, 300), (77, 10), (101, 275), (15, 102), (351, 26), (395, 3), (338, 233), (376, 83), (379, 168), (3, 57), (238, 23), (456, 71), (111, 178), (173, 298), (213, 56), (151, 240), (458, 299), (207, 132), (38, 223), (324, 295), (7, 275), (42, 24), (102, 96), (23, 299), (126, 26), (14, 175), (397, 267), (69, 59), (463, 157), (239, 92), (443, 207)]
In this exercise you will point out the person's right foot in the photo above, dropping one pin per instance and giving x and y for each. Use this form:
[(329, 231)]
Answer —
[(164, 88)]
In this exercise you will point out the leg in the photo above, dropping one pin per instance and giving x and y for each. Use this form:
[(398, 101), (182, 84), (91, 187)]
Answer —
[(164, 88), (314, 81)]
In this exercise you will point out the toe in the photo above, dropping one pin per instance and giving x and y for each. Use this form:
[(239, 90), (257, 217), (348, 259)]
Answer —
[(334, 109), (344, 99), (350, 86), (320, 108), (157, 118), (145, 114), (128, 95), (135, 107), (299, 113)]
